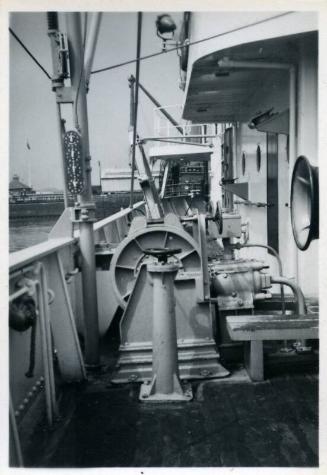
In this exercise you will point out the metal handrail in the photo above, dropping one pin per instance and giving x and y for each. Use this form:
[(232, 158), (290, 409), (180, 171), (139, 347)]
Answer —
[(110, 219), (31, 254), (163, 128)]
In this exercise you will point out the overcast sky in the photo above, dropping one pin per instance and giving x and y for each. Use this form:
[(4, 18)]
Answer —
[(32, 103)]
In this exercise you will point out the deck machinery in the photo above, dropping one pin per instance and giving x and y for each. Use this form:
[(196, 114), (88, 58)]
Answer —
[(211, 282)]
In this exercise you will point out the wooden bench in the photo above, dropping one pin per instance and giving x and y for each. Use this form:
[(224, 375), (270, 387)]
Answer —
[(254, 329)]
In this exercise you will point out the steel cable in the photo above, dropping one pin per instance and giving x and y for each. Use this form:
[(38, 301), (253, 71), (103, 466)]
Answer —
[(179, 47), (29, 53), (176, 48)]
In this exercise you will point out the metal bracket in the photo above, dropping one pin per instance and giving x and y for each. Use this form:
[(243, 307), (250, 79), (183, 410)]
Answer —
[(83, 214), (64, 95), (60, 58)]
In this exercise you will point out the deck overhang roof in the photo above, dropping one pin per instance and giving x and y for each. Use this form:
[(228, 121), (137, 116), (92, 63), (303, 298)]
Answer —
[(218, 93), (182, 152)]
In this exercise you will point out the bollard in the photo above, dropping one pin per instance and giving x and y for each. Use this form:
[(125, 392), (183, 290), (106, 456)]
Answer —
[(165, 385)]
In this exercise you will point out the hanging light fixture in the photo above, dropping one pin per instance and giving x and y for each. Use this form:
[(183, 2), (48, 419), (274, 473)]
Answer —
[(165, 29)]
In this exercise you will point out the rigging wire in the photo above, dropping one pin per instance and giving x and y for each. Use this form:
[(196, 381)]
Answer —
[(180, 47), (177, 48), (29, 53)]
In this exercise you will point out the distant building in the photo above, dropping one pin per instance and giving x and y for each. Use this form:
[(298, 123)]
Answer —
[(19, 189), (118, 180), (49, 191), (96, 190)]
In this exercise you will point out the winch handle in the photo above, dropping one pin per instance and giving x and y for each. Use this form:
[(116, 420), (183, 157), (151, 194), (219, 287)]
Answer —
[(162, 253)]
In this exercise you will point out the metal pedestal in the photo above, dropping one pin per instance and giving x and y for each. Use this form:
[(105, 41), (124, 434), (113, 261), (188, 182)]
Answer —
[(165, 385)]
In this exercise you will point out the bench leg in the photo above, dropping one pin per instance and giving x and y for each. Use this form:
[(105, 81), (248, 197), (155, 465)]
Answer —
[(253, 359)]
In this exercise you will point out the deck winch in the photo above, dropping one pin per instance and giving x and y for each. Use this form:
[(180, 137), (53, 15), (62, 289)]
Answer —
[(197, 353), (201, 286)]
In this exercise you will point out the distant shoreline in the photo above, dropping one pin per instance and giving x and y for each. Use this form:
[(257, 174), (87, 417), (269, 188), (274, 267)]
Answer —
[(105, 206)]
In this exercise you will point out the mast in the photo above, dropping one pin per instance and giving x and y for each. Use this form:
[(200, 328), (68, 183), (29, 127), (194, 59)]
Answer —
[(87, 205), (84, 211), (91, 45)]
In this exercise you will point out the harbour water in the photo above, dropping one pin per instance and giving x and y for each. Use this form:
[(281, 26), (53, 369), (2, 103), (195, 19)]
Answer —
[(28, 232), (31, 223)]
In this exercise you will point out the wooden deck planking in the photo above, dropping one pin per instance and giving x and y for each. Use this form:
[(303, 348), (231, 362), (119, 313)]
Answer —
[(273, 423), (273, 327)]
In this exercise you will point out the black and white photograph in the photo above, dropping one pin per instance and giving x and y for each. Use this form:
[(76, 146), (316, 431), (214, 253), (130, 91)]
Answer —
[(161, 205)]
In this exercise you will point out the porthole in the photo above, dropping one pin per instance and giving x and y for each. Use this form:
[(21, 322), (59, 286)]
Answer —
[(243, 163), (258, 158)]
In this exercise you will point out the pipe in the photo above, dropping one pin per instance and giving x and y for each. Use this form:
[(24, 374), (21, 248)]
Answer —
[(46, 345), (293, 153), (90, 46), (136, 99), (226, 62), (296, 291), (48, 342), (21, 272), (280, 267), (19, 293), (90, 302), (45, 360), (183, 138), (164, 181), (159, 139), (131, 103)]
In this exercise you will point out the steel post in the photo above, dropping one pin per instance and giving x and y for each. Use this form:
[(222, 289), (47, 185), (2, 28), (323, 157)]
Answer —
[(57, 85), (91, 45), (165, 385), (61, 132), (90, 303), (135, 105), (91, 326)]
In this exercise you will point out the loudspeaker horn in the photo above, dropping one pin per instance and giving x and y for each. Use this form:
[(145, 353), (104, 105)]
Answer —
[(305, 202)]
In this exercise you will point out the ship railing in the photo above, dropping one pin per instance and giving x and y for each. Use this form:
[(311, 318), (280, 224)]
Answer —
[(39, 198), (45, 318), (183, 130), (43, 307), (183, 189)]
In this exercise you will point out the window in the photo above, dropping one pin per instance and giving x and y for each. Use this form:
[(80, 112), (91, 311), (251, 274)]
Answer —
[(272, 191), (243, 163), (258, 158)]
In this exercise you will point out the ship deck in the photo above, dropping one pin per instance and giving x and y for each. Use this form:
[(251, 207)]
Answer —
[(230, 423)]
